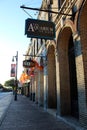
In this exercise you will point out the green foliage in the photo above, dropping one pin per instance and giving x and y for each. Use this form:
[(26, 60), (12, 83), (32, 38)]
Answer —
[(10, 82), (4, 89), (1, 86)]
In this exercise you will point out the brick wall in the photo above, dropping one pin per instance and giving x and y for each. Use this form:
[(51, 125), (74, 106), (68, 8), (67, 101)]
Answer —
[(82, 25), (51, 78)]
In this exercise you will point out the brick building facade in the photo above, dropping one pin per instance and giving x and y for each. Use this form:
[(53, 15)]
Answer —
[(62, 84)]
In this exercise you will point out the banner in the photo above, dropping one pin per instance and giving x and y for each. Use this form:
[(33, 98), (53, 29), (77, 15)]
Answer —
[(13, 70)]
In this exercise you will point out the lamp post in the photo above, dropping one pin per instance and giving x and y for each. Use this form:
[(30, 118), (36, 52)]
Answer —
[(16, 57)]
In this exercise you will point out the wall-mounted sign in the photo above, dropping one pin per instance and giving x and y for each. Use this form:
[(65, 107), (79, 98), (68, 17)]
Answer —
[(28, 63), (39, 29)]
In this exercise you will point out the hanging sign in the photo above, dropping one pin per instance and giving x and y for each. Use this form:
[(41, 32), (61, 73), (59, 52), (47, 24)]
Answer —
[(39, 29), (28, 63)]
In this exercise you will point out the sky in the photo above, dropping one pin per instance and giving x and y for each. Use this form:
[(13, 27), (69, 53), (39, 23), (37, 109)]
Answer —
[(12, 37)]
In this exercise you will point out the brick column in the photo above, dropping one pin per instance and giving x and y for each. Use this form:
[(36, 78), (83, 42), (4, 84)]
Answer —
[(57, 83), (80, 81), (45, 87)]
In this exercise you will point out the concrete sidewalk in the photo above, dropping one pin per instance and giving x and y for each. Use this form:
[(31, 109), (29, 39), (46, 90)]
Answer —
[(24, 114)]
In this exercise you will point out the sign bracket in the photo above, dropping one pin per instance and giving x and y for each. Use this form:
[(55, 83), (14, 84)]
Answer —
[(49, 11), (34, 56)]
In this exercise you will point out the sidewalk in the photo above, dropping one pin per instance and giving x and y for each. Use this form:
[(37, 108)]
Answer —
[(24, 114)]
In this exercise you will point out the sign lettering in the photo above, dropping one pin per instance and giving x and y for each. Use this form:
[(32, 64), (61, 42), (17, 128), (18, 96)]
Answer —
[(31, 28)]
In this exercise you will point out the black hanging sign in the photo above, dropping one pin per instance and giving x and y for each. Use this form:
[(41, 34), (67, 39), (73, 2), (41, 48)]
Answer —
[(28, 63), (39, 29)]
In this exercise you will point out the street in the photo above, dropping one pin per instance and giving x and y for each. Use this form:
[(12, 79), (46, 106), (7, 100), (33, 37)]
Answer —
[(3, 95), (5, 99)]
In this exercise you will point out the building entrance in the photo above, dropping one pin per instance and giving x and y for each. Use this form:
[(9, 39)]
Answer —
[(73, 80)]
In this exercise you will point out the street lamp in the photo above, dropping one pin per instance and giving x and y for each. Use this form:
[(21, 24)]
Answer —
[(16, 57)]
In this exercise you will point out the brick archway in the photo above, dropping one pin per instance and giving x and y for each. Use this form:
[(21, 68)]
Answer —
[(67, 71)]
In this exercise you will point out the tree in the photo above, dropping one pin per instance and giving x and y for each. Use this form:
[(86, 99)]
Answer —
[(1, 86), (10, 82)]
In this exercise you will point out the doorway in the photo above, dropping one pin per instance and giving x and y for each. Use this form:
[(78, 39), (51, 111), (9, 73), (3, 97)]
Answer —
[(73, 79)]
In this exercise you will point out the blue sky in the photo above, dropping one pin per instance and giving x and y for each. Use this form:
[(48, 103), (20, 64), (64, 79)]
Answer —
[(12, 38)]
